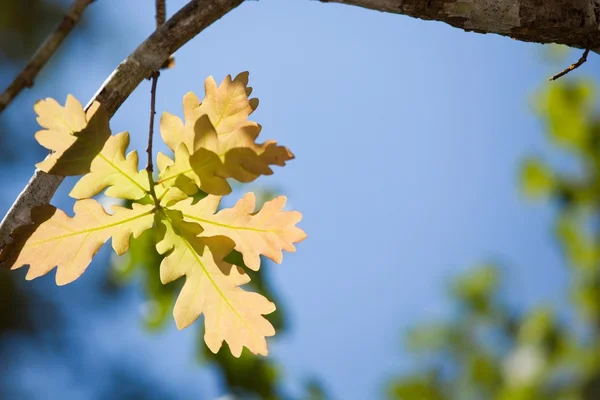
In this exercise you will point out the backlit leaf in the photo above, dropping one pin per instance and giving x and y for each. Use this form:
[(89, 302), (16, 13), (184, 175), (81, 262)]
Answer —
[(75, 137), (55, 239), (190, 172), (220, 125), (212, 288), (267, 232), (110, 168), (215, 143)]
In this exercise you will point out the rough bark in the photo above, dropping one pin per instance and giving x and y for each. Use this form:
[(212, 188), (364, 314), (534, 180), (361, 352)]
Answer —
[(570, 22), (146, 59)]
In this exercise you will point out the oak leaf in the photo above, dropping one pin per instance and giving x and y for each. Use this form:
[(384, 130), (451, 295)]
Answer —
[(110, 168), (190, 172), (212, 288), (215, 143), (266, 232), (74, 136), (219, 125), (69, 243)]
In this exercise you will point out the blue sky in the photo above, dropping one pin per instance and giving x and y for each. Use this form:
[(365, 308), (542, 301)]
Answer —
[(408, 137)]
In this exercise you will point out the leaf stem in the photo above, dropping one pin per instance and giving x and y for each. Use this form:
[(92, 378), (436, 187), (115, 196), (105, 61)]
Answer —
[(161, 14), (149, 166)]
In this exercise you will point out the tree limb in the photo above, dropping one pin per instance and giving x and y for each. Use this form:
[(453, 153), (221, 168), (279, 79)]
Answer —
[(570, 22), (573, 23), (44, 53), (146, 59)]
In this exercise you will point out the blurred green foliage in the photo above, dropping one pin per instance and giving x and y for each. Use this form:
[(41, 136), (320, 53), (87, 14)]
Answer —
[(490, 351), (24, 24)]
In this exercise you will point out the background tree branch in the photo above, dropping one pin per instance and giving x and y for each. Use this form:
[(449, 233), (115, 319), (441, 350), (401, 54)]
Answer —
[(570, 22), (146, 59), (44, 53)]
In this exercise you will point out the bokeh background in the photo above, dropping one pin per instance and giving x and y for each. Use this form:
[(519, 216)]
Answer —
[(418, 151)]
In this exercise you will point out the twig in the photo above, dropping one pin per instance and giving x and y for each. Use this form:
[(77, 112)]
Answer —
[(149, 166), (44, 53), (148, 57), (572, 66), (161, 13)]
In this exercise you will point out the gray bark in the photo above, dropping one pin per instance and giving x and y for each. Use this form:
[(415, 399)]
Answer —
[(570, 22)]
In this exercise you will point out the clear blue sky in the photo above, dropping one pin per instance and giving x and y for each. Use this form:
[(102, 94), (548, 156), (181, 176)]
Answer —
[(408, 137)]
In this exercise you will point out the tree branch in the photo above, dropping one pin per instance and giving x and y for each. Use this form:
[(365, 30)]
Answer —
[(145, 60), (573, 23), (44, 53), (161, 12), (570, 22)]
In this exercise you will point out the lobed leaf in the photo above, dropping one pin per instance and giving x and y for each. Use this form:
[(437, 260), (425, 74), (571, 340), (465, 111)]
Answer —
[(74, 136), (110, 168), (190, 172), (267, 232), (212, 288), (215, 143), (55, 239), (220, 128)]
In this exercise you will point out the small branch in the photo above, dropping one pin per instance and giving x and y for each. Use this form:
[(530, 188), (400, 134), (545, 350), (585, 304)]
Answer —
[(149, 166), (149, 56), (161, 12), (571, 67), (161, 15), (44, 53)]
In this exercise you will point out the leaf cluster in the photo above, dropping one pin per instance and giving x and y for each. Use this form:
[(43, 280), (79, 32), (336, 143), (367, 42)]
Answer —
[(215, 142)]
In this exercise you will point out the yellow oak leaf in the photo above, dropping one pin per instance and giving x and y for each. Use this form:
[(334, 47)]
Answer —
[(214, 142), (212, 288), (266, 232), (220, 125), (69, 243), (174, 131), (110, 168), (227, 105), (168, 196), (190, 172), (242, 158), (234, 139), (74, 136)]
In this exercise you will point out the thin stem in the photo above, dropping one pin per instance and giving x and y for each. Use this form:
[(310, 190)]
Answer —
[(161, 15), (44, 53), (149, 166), (571, 67)]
